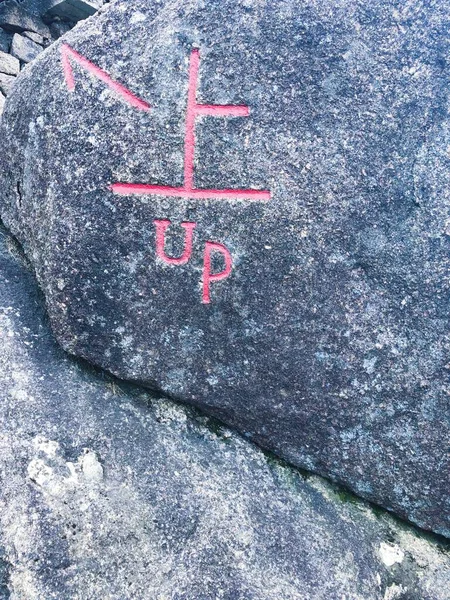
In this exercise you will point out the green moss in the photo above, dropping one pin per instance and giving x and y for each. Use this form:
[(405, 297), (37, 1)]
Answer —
[(346, 496)]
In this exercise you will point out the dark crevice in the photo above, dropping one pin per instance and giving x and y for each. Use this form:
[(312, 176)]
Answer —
[(19, 194)]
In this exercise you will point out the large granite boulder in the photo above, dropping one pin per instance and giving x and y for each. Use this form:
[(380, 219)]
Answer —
[(246, 205), (109, 492)]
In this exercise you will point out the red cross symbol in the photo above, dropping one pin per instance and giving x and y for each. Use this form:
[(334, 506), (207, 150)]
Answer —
[(188, 190), (194, 110)]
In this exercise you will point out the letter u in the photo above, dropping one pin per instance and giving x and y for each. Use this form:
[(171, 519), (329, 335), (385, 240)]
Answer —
[(161, 228)]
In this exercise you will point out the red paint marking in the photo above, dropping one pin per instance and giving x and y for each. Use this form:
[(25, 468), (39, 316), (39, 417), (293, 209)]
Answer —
[(161, 228), (68, 53), (189, 138), (67, 68), (222, 111), (136, 189), (188, 190), (208, 276)]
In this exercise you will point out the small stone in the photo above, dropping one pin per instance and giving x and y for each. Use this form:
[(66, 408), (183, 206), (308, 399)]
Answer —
[(6, 82), (24, 48), (9, 64), (35, 37)]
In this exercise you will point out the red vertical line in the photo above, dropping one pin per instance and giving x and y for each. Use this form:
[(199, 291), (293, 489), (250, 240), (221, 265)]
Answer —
[(189, 140)]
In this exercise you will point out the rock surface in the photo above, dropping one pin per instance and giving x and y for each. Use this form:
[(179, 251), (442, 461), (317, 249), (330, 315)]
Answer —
[(6, 82), (5, 40), (328, 341), (73, 10), (109, 492), (9, 65), (35, 37), (14, 17), (24, 48)]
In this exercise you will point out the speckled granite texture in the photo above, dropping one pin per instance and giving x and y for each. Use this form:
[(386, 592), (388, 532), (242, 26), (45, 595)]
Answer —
[(326, 337), (110, 492)]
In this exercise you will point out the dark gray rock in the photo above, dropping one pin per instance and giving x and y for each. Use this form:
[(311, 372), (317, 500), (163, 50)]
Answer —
[(34, 7), (59, 28), (49, 8), (73, 10), (328, 343), (14, 17), (5, 40), (9, 64), (109, 492), (24, 48)]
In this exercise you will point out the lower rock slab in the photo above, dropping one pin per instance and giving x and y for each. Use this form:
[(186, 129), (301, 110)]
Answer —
[(109, 492)]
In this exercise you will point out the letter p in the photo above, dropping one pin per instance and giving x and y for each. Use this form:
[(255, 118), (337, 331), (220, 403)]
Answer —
[(208, 276)]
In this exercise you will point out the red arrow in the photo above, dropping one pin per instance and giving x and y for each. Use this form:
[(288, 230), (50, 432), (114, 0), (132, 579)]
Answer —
[(68, 53)]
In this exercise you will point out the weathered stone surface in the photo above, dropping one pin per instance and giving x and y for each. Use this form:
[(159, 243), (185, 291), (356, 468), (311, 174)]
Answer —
[(9, 64), (328, 341), (24, 49), (112, 493), (2, 102), (14, 17), (6, 82), (35, 37), (59, 28), (34, 7)]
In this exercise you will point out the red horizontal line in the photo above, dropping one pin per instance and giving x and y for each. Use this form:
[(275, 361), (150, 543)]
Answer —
[(126, 189), (218, 110)]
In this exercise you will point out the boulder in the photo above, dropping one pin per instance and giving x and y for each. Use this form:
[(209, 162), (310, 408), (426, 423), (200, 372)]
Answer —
[(111, 492), (246, 206)]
